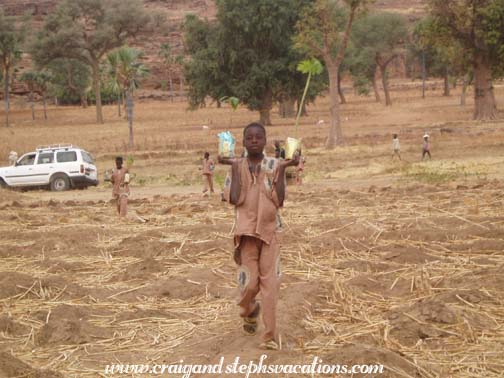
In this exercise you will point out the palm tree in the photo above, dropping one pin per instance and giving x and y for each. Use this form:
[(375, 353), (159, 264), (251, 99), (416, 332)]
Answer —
[(130, 70), (112, 70)]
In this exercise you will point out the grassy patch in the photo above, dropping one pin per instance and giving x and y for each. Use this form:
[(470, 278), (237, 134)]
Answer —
[(444, 172)]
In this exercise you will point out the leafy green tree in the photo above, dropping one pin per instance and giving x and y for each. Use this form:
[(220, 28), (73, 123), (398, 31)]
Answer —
[(204, 72), (86, 30), (129, 72), (383, 36), (478, 26), (12, 37), (362, 67), (442, 57), (70, 80), (245, 53), (323, 32)]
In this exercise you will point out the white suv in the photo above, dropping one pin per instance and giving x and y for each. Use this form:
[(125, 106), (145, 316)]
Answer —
[(60, 167)]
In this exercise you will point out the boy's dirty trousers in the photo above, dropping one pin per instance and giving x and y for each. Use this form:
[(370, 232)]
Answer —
[(260, 272), (122, 204)]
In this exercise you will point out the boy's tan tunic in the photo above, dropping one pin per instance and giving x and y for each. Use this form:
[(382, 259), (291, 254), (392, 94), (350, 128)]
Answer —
[(207, 169), (256, 238), (120, 190)]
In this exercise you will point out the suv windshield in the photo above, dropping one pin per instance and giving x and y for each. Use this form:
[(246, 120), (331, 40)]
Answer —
[(87, 157)]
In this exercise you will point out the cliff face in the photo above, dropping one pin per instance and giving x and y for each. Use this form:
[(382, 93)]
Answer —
[(175, 12)]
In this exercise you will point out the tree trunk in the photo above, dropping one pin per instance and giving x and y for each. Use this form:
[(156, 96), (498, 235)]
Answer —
[(119, 103), (44, 105), (170, 81), (32, 105), (340, 92), (264, 112), (96, 84), (383, 71), (129, 111), (446, 78), (484, 100), (181, 83), (465, 83), (304, 112), (335, 133), (6, 96), (375, 89), (83, 99), (286, 108)]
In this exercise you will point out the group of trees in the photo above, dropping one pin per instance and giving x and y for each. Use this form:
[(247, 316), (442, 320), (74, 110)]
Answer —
[(81, 43), (250, 51)]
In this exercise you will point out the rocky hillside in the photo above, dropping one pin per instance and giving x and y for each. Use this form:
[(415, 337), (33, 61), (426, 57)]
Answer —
[(175, 11)]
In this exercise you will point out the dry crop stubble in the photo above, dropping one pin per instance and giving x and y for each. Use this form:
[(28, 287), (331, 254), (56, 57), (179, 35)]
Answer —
[(375, 270)]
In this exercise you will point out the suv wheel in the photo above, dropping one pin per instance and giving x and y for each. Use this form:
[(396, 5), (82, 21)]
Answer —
[(60, 183), (3, 184)]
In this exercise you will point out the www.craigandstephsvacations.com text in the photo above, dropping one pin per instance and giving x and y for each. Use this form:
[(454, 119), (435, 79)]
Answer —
[(241, 369)]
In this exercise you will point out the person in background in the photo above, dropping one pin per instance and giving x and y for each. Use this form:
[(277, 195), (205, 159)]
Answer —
[(426, 147), (396, 147), (120, 187), (13, 156), (208, 168), (300, 168)]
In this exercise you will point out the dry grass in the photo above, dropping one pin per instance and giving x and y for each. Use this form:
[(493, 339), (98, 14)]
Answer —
[(380, 265)]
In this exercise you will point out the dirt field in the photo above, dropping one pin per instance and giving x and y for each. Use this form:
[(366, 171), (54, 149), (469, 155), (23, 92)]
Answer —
[(388, 262)]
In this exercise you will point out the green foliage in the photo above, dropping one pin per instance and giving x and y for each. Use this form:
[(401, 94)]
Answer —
[(233, 101), (30, 78), (442, 53), (247, 53), (86, 30), (381, 34), (310, 67), (12, 37), (125, 69), (316, 34), (476, 26), (70, 79)]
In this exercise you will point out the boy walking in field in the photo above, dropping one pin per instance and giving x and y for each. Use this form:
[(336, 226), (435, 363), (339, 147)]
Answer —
[(426, 147), (120, 187), (257, 190), (396, 147), (208, 168)]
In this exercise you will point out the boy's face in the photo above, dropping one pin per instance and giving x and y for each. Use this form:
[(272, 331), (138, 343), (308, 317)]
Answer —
[(254, 141), (119, 163)]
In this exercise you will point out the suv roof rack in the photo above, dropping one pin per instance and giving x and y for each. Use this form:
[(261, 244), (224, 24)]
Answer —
[(55, 146)]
